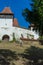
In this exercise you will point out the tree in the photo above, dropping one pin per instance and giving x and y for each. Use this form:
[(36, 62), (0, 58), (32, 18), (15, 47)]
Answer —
[(36, 15)]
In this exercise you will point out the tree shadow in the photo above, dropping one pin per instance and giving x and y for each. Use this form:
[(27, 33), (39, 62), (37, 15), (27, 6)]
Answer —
[(41, 42), (34, 56), (31, 63), (6, 56)]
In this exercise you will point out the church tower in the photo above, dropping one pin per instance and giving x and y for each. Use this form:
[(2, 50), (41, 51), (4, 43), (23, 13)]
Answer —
[(6, 24)]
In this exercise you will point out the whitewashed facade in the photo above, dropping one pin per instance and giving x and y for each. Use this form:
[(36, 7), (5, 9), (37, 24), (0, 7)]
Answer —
[(16, 32), (7, 30), (28, 34)]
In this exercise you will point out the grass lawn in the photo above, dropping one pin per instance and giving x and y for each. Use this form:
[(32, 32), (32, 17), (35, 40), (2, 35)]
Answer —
[(19, 49), (16, 46)]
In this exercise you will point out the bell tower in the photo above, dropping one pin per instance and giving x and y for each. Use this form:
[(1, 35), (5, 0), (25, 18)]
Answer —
[(6, 24), (6, 18)]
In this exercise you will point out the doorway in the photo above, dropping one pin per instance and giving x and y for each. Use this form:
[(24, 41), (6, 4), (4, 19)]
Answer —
[(5, 38)]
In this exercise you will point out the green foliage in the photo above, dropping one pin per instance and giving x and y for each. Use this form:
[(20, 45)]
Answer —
[(36, 15), (41, 37)]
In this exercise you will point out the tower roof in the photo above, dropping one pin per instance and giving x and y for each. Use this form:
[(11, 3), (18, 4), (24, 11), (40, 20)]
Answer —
[(15, 23), (7, 10)]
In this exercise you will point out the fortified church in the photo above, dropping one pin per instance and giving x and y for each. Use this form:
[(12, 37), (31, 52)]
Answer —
[(10, 29)]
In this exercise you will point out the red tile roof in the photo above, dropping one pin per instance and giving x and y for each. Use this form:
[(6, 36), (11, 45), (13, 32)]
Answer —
[(6, 10), (15, 23)]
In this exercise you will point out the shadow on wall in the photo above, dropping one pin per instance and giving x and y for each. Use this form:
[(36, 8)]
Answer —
[(7, 56), (34, 56)]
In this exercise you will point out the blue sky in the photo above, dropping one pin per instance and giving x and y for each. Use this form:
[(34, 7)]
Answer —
[(17, 6)]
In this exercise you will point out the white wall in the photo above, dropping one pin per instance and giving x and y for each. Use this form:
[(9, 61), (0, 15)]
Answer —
[(18, 31), (6, 22), (6, 31), (6, 28)]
